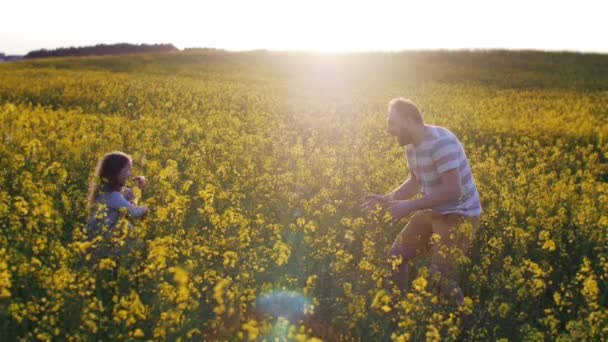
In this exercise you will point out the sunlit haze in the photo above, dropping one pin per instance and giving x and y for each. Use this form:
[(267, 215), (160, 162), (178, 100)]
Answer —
[(27, 25)]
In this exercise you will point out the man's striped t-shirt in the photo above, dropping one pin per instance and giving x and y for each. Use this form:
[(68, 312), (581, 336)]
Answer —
[(441, 151)]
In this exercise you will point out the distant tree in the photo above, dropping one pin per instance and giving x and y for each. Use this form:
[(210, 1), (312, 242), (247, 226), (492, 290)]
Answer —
[(101, 49), (204, 49)]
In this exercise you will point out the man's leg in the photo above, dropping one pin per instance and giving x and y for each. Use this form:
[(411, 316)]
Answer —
[(454, 231), (412, 240)]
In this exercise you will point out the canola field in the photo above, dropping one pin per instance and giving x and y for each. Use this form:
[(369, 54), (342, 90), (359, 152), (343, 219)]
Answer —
[(256, 165)]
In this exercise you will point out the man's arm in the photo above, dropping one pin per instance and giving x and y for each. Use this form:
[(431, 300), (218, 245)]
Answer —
[(408, 189), (448, 191)]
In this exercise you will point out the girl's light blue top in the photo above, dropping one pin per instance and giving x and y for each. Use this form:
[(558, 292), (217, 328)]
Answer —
[(106, 210)]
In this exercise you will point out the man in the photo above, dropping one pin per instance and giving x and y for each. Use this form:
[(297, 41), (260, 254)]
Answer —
[(440, 172)]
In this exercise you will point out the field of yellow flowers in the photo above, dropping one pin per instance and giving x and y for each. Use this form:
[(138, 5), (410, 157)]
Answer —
[(256, 163)]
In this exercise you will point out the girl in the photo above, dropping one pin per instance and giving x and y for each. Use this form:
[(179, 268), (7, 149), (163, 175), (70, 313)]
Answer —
[(108, 194)]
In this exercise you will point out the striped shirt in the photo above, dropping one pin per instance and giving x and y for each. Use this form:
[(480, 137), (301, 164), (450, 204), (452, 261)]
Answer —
[(441, 151)]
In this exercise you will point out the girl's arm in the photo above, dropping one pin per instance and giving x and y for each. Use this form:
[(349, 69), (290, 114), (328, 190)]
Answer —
[(128, 194), (140, 181), (117, 201)]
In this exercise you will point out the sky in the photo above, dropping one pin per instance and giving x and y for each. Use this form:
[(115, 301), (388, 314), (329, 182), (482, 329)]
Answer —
[(310, 25)]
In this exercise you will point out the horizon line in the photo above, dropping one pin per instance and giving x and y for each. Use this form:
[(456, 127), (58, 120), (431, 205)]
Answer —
[(339, 52)]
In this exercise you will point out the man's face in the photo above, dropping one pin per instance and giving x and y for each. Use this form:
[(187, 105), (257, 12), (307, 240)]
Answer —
[(398, 128)]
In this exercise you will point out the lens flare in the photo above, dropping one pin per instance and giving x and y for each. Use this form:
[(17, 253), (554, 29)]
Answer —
[(291, 305)]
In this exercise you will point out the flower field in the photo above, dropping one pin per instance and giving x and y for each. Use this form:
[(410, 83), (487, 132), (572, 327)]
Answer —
[(257, 163)]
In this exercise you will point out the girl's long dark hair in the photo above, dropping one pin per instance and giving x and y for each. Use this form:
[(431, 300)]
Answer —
[(106, 174)]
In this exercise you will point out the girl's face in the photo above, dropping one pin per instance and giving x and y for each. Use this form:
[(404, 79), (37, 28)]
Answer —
[(125, 173)]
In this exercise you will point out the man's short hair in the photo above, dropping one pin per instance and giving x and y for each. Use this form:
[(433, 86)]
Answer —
[(406, 109)]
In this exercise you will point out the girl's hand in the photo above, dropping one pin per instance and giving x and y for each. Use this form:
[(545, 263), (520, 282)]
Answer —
[(140, 181), (146, 211), (128, 193)]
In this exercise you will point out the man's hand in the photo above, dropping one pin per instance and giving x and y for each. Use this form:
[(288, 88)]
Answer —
[(399, 209), (372, 200), (140, 181)]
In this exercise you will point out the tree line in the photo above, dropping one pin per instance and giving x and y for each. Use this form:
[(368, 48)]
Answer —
[(101, 49)]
